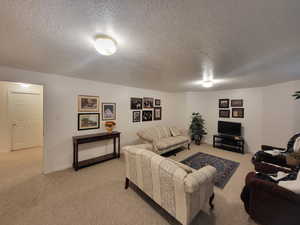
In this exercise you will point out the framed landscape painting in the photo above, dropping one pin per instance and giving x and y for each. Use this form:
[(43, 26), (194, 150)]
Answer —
[(157, 113), (224, 103), (136, 103), (224, 113), (147, 115), (108, 111), (88, 121), (237, 112), (157, 102), (136, 116), (148, 103), (88, 103), (237, 103)]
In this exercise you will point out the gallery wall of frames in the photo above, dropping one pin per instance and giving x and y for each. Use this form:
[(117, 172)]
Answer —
[(89, 112), (145, 109), (237, 110)]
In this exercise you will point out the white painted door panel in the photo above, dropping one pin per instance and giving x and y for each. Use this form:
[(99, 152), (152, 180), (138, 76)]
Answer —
[(26, 116)]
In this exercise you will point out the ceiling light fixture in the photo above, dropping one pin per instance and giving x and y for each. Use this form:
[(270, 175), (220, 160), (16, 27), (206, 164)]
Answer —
[(105, 45), (207, 83)]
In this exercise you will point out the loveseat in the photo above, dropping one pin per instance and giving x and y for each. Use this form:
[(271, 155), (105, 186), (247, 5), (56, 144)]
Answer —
[(164, 139), (180, 190)]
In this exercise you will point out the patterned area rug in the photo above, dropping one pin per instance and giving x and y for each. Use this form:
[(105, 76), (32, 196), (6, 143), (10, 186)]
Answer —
[(225, 168)]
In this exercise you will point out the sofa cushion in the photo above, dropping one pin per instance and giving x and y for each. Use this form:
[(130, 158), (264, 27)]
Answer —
[(174, 131), (170, 141), (182, 166), (162, 131), (152, 134)]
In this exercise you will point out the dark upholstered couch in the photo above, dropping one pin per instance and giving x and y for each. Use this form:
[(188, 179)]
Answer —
[(269, 204)]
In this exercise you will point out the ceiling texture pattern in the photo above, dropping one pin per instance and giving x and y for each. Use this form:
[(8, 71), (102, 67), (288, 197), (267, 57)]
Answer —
[(162, 44)]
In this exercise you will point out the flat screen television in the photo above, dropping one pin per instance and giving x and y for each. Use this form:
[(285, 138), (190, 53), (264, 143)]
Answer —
[(229, 128)]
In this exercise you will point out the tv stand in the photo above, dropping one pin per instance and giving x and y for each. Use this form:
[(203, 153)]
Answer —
[(228, 142)]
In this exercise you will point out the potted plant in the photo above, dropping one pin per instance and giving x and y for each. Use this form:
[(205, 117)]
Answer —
[(109, 125), (197, 129), (297, 95)]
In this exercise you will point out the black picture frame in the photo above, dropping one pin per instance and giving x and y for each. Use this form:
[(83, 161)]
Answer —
[(157, 113), (236, 102), (237, 113), (136, 103), (79, 125), (134, 118), (114, 107), (224, 113), (148, 103), (157, 102), (224, 103), (147, 115)]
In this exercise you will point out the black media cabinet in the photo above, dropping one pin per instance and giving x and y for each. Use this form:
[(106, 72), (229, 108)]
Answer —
[(227, 142)]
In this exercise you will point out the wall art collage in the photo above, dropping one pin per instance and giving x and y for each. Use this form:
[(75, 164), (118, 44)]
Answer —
[(89, 116), (236, 108), (145, 109)]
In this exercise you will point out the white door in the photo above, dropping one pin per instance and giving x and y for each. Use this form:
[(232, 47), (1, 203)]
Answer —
[(26, 118)]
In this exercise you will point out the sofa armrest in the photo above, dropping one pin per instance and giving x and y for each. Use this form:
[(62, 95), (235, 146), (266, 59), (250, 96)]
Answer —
[(193, 181), (268, 147)]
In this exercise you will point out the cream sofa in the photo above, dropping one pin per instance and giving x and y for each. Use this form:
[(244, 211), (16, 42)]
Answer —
[(180, 190), (162, 141)]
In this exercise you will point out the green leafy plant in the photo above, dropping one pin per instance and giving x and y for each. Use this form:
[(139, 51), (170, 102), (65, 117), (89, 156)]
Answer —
[(297, 95), (197, 129)]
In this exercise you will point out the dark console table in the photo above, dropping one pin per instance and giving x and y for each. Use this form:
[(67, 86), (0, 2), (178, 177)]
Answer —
[(227, 142), (83, 139)]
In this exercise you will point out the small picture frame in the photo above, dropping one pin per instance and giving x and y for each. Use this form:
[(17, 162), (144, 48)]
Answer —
[(157, 102), (88, 103), (88, 121), (237, 103), (224, 103), (148, 103), (157, 113), (224, 113), (136, 116), (147, 115), (108, 111), (237, 112), (136, 103)]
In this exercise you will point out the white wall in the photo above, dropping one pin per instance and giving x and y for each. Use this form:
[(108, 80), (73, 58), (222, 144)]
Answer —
[(60, 112), (5, 125), (271, 114)]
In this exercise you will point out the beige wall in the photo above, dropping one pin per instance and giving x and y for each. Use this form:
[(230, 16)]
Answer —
[(5, 125)]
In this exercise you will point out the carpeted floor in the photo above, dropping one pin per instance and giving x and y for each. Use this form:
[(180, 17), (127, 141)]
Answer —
[(96, 195)]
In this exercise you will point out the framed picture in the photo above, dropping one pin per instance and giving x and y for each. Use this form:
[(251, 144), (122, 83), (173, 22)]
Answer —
[(224, 113), (136, 116), (237, 112), (108, 111), (157, 102), (157, 113), (147, 115), (147, 103), (224, 103), (136, 103), (237, 103), (88, 121), (88, 103)]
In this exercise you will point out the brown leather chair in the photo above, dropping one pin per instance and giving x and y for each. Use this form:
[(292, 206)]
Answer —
[(269, 204)]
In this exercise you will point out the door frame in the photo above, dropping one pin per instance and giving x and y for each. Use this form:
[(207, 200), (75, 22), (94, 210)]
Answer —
[(43, 168)]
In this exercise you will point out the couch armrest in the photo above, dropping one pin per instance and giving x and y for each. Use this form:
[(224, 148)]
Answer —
[(193, 181), (268, 147)]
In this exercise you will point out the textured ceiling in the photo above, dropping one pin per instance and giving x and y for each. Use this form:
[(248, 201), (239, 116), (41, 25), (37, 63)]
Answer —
[(163, 44)]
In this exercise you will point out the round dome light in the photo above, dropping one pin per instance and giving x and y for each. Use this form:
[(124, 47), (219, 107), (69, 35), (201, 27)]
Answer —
[(207, 83), (105, 45)]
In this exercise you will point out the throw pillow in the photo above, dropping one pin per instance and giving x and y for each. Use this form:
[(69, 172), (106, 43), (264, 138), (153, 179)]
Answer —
[(293, 186), (174, 131)]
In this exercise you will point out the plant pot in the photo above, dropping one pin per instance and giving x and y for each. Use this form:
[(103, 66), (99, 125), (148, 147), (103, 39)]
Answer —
[(109, 129), (197, 139)]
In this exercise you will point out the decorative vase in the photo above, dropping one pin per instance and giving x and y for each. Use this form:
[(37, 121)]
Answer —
[(109, 129)]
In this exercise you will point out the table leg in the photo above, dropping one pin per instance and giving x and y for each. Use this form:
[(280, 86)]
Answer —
[(119, 146), (115, 154), (76, 157)]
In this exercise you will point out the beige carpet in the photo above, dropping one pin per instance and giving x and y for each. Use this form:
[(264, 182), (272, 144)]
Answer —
[(96, 195)]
